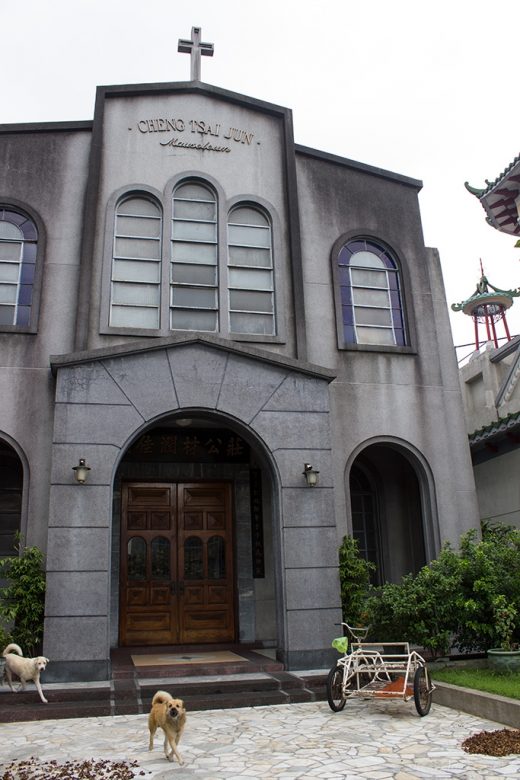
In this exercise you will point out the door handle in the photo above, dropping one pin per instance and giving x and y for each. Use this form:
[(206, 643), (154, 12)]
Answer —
[(173, 588), (181, 587)]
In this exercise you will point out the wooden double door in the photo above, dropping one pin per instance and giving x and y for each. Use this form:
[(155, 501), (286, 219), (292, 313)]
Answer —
[(177, 582)]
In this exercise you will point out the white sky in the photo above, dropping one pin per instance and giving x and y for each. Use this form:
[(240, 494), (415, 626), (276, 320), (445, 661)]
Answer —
[(426, 89)]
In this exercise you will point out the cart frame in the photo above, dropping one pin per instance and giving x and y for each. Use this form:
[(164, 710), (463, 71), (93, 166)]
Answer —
[(373, 670)]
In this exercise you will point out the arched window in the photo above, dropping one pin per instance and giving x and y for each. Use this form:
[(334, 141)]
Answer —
[(365, 521), (136, 264), (11, 486), (18, 246), (136, 560), (370, 295), (190, 272), (250, 272), (194, 259)]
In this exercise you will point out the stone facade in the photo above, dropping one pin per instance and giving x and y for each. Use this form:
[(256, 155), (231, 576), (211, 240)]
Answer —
[(381, 421)]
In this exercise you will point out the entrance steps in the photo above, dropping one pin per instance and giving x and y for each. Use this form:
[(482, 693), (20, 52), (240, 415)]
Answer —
[(254, 680)]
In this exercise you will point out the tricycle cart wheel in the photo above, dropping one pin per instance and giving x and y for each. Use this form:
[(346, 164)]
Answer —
[(422, 693), (335, 694)]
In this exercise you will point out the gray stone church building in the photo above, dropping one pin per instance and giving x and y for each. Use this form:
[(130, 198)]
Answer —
[(210, 317)]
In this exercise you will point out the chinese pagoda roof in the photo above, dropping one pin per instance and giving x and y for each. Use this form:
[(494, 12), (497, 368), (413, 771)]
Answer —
[(484, 295), (498, 198)]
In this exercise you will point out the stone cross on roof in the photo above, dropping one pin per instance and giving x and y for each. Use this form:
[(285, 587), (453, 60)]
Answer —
[(195, 48)]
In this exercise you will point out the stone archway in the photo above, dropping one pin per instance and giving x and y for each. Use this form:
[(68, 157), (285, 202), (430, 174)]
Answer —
[(106, 399), (180, 455), (391, 508), (11, 495)]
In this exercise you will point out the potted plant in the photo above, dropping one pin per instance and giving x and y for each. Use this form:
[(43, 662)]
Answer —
[(505, 657)]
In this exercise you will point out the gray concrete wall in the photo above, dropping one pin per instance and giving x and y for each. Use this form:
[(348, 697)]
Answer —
[(251, 171), (498, 488), (45, 175), (410, 397)]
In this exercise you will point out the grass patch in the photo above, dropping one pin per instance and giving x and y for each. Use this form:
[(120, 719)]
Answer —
[(481, 680)]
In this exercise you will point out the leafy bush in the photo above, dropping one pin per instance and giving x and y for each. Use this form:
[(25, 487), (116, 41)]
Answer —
[(490, 567), (420, 609), (354, 572), (453, 601), (22, 600)]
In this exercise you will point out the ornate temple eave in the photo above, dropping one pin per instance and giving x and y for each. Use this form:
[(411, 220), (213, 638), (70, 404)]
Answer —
[(484, 297), (500, 199)]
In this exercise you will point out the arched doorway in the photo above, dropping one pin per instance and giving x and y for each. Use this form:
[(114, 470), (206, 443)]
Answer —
[(192, 537), (388, 513), (11, 489)]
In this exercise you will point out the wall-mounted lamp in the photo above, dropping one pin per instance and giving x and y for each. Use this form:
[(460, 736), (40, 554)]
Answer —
[(81, 471), (310, 474)]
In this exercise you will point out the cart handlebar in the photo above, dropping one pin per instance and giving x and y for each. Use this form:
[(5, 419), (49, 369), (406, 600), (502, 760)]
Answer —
[(358, 633)]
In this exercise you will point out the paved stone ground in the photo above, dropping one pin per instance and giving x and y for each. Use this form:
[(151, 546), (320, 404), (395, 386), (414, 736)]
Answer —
[(367, 741)]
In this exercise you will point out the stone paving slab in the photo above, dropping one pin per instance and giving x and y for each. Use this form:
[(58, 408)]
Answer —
[(367, 741)]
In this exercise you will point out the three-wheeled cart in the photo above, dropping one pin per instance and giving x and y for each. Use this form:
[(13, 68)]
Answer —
[(373, 670)]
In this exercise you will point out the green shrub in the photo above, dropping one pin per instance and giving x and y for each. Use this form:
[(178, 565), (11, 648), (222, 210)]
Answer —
[(22, 600), (354, 572), (490, 568), (420, 609), (453, 601)]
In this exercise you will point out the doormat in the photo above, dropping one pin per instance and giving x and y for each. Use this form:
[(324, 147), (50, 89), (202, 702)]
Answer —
[(169, 659)]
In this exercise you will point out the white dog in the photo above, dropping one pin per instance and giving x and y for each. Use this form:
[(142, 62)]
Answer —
[(24, 668)]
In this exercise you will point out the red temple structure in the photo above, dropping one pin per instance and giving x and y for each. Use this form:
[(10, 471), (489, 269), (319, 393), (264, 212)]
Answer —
[(487, 306)]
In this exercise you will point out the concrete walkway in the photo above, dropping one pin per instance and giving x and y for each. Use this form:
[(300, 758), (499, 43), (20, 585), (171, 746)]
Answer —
[(368, 740)]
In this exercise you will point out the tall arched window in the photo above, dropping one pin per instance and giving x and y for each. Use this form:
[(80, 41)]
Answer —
[(365, 521), (370, 295), (250, 272), (18, 246), (11, 486), (136, 264), (194, 259), (190, 272)]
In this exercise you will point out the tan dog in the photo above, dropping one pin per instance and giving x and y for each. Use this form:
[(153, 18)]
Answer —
[(25, 668), (168, 714)]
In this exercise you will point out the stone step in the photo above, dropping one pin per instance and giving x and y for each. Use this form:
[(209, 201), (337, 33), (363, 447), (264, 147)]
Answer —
[(133, 696), (79, 707), (185, 670)]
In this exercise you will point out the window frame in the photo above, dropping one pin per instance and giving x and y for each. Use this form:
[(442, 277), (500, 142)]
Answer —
[(230, 266), (12, 204), (116, 235), (224, 207), (404, 286), (360, 473)]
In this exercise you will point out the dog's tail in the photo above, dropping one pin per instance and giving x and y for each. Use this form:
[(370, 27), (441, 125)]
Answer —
[(12, 649), (161, 697)]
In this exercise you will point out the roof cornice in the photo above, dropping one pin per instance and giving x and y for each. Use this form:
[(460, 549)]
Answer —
[(347, 163), (177, 342)]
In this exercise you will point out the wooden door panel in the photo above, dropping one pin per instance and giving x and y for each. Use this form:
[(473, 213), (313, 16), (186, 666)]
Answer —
[(216, 521), (217, 594), (149, 495), (177, 583), (136, 521), (160, 595), (205, 563), (136, 597), (193, 595), (203, 495), (160, 521)]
